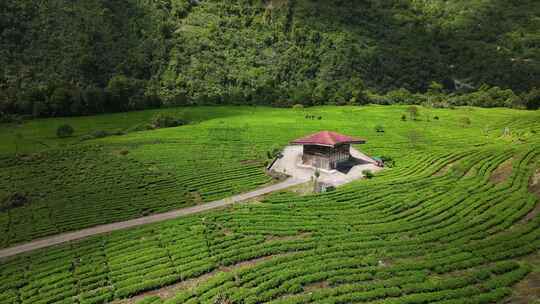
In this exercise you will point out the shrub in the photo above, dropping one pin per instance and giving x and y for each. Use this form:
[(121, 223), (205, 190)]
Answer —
[(166, 121), (368, 174), (273, 153), (99, 134), (141, 127), (87, 137), (13, 201), (388, 161), (465, 121), (64, 131), (379, 129), (404, 117), (436, 117)]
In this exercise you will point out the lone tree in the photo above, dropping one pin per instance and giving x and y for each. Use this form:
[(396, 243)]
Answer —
[(64, 131), (413, 112)]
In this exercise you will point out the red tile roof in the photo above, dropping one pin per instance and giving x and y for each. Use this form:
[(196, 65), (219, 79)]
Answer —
[(328, 138)]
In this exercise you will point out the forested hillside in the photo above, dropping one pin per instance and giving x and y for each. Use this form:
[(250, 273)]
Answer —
[(65, 57)]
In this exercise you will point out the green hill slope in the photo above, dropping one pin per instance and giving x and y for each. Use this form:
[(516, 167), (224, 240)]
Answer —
[(255, 51), (77, 184), (456, 220)]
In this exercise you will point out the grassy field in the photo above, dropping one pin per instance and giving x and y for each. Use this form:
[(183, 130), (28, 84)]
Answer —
[(453, 222)]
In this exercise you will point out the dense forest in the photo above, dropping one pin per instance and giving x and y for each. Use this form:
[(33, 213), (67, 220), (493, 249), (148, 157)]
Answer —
[(77, 57)]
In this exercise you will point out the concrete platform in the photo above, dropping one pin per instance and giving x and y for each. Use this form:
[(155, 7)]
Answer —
[(291, 164)]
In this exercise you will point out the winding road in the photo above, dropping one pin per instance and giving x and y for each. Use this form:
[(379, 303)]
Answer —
[(88, 232)]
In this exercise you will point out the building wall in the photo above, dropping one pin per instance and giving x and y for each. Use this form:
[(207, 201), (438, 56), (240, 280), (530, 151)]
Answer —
[(325, 157)]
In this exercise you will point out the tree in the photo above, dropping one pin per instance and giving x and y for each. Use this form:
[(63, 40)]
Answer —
[(121, 89), (60, 101), (94, 98), (400, 96), (64, 131), (532, 99), (435, 88), (26, 102), (413, 112), (39, 109)]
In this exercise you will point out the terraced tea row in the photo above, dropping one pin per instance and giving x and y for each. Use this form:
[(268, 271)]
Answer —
[(99, 187)]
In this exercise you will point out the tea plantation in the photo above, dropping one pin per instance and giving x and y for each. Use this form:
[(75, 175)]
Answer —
[(454, 221)]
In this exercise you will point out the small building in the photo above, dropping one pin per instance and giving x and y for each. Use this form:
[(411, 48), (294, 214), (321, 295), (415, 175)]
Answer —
[(327, 150)]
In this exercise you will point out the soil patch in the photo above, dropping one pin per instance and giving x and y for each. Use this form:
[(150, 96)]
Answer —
[(532, 215), (314, 286), (527, 291), (444, 170), (303, 189), (534, 188), (534, 183), (502, 173), (250, 162), (170, 291), (227, 232), (247, 263)]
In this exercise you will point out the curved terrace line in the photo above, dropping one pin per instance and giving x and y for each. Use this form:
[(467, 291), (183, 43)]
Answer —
[(88, 232)]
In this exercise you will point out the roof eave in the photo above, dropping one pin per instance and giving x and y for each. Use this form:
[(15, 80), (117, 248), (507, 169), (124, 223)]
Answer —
[(326, 145)]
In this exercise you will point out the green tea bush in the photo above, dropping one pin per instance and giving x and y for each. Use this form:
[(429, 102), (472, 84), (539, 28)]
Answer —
[(64, 131), (100, 134), (150, 300), (14, 200), (388, 161), (166, 121), (368, 174)]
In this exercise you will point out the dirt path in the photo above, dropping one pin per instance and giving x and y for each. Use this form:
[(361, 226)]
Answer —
[(84, 233)]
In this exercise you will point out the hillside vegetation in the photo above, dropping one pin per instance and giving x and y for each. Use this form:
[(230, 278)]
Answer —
[(64, 57), (72, 184), (456, 220)]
